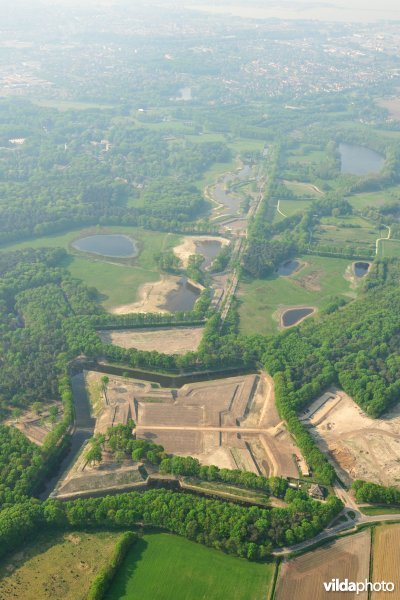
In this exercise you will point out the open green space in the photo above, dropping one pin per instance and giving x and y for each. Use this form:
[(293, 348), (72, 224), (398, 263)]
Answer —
[(290, 207), (314, 285), (167, 567), (389, 248), (63, 105), (227, 491), (56, 566), (372, 511), (347, 230), (374, 199), (300, 188), (116, 283)]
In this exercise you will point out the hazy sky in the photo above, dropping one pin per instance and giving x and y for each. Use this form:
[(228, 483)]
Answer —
[(337, 10)]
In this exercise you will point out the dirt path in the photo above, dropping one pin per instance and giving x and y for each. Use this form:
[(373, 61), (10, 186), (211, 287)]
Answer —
[(279, 209), (382, 239)]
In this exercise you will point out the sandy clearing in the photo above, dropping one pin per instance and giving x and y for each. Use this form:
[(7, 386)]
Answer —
[(360, 447), (190, 246), (177, 340), (151, 297)]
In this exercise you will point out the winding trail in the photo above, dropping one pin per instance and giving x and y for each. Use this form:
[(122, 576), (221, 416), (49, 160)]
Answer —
[(381, 239), (278, 208)]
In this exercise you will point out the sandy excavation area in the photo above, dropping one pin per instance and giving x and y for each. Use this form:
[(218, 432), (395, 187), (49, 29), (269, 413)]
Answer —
[(177, 340), (229, 422), (152, 297), (360, 447), (193, 245)]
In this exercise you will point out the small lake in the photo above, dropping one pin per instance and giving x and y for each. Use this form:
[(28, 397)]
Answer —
[(209, 249), (361, 269), (111, 245), (183, 298), (357, 160), (288, 267), (294, 315)]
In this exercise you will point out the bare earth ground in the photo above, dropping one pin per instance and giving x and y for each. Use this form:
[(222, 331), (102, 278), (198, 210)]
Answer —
[(232, 423), (361, 447), (190, 247), (177, 340), (151, 297), (302, 578), (35, 427)]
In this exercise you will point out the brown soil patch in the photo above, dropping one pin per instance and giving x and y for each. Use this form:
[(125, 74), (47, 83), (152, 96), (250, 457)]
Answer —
[(37, 426), (152, 296), (303, 578), (177, 340), (310, 282), (360, 447)]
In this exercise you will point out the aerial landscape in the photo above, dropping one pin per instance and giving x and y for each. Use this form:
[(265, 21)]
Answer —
[(199, 300)]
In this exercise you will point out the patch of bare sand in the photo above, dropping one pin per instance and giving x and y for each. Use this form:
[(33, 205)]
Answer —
[(177, 340), (189, 246), (152, 296), (360, 447)]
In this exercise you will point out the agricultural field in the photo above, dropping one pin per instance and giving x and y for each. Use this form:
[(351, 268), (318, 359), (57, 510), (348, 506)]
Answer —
[(178, 340), (290, 207), (360, 447), (166, 567), (349, 230), (374, 199), (302, 578), (262, 300), (117, 283), (389, 248), (386, 558), (56, 567)]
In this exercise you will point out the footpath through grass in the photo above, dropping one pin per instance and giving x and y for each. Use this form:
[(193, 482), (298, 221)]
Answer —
[(166, 567)]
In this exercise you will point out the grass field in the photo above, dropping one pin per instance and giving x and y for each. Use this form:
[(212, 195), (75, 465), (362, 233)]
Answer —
[(389, 248), (290, 207), (347, 230), (117, 283), (57, 567), (385, 559), (313, 285), (372, 511), (166, 567), (300, 188), (362, 200), (63, 105)]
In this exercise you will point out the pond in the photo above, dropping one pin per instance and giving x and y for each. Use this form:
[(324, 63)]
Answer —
[(183, 298), (110, 245), (361, 268), (357, 160), (209, 249), (288, 267), (294, 315)]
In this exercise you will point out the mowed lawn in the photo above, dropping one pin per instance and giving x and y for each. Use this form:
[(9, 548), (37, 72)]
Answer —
[(166, 567), (56, 567), (116, 283), (314, 285)]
